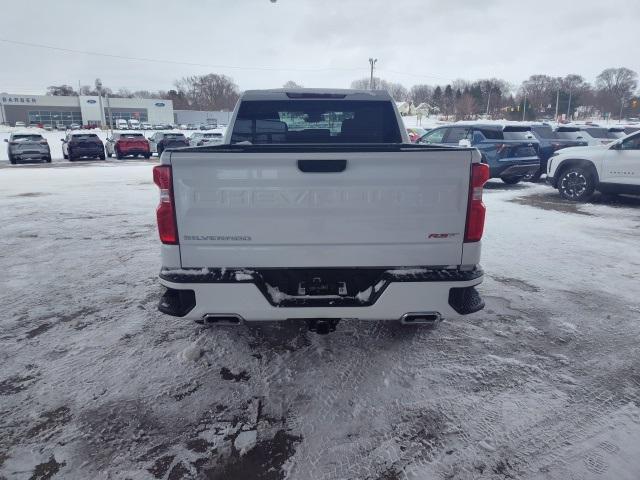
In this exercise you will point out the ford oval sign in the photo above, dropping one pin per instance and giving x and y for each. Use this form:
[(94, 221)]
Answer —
[(159, 104), (91, 101)]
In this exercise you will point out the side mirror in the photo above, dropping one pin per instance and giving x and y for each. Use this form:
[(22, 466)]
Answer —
[(465, 143), (62, 140)]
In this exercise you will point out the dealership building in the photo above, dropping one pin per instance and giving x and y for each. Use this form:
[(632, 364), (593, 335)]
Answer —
[(83, 110)]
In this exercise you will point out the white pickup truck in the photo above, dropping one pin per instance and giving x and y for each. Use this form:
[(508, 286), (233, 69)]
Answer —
[(614, 168), (318, 208)]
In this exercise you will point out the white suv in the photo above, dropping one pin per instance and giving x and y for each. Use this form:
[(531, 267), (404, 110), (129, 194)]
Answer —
[(614, 168)]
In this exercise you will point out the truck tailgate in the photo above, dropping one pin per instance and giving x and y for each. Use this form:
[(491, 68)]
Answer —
[(388, 208)]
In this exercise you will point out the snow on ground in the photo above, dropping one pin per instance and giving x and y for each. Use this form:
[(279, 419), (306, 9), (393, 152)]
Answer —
[(542, 384)]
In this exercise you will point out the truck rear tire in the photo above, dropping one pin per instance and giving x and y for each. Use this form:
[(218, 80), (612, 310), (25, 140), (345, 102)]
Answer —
[(576, 184)]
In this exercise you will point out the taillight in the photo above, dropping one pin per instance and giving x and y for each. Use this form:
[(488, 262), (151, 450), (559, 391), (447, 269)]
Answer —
[(166, 213), (476, 209)]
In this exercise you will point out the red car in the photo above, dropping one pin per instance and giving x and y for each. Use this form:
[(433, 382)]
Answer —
[(127, 144), (415, 133)]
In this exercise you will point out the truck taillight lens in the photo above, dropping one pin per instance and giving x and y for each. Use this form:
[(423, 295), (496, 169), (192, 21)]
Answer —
[(166, 211), (476, 209)]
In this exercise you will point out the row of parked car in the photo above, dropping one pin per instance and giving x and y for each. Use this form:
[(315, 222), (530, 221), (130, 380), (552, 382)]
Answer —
[(519, 150), (76, 146), (122, 124)]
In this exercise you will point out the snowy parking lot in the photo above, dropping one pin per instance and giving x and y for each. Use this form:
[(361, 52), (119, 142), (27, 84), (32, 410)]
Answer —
[(96, 383)]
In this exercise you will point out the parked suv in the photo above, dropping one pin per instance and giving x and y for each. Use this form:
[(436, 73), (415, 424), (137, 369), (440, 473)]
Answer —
[(593, 135), (127, 144), (78, 145), (550, 142), (615, 168), (28, 146), (159, 141), (199, 139), (511, 151)]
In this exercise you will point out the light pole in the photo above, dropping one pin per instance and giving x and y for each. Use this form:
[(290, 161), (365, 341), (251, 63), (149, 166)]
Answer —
[(488, 100), (372, 62), (557, 101), (621, 105), (524, 106), (569, 105)]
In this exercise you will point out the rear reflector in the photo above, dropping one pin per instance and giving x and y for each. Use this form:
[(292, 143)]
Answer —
[(166, 212), (476, 209)]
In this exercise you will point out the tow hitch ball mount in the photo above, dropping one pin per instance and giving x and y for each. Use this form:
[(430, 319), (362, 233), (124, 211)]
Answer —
[(322, 326)]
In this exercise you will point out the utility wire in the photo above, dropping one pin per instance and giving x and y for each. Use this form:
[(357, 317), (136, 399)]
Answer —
[(175, 62), (194, 64)]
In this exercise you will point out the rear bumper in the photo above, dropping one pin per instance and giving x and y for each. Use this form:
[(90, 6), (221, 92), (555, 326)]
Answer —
[(134, 151), (241, 293), (86, 152), (31, 155)]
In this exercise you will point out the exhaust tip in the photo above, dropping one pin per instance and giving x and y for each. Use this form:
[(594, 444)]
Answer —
[(222, 319), (421, 318)]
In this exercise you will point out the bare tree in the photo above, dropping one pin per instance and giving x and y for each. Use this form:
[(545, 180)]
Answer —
[(466, 107), (397, 91), (541, 91), (292, 84), (61, 91), (208, 92), (421, 94), (615, 87), (124, 93)]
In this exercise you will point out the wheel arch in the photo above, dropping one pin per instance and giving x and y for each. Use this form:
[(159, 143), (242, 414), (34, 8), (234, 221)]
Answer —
[(577, 162)]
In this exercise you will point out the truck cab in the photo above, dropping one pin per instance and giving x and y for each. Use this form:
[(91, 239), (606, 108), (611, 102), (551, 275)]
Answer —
[(317, 208)]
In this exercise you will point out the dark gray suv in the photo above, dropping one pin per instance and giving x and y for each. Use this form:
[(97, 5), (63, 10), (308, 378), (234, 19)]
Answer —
[(28, 147)]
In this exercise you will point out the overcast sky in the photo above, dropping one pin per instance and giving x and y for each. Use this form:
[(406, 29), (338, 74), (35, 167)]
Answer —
[(318, 43)]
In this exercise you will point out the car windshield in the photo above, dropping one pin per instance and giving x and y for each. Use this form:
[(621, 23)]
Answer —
[(212, 135), (85, 136), (132, 135), (27, 138), (175, 136), (545, 132), (316, 121), (517, 133), (599, 132)]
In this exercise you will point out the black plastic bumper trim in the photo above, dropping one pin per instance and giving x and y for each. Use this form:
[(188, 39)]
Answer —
[(383, 279), (465, 300), (177, 302)]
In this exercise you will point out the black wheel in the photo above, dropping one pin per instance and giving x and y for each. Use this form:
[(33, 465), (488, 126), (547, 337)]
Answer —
[(536, 176), (118, 154), (147, 156), (109, 155), (101, 156), (65, 156), (576, 184), (48, 159), (160, 149), (12, 160), (511, 180), (71, 157)]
